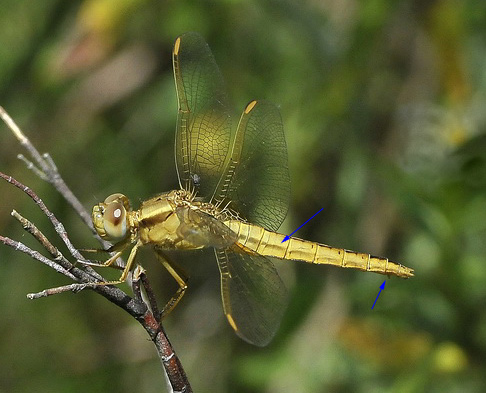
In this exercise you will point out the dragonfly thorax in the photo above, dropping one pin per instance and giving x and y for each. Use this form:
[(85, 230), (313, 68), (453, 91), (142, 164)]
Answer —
[(162, 220)]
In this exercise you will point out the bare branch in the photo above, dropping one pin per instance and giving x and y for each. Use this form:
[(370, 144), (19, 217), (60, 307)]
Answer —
[(85, 277), (171, 363), (46, 169), (55, 222), (30, 165), (34, 231), (56, 265), (54, 291)]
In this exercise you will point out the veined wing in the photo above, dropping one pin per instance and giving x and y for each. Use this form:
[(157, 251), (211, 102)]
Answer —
[(254, 296), (256, 181), (203, 130)]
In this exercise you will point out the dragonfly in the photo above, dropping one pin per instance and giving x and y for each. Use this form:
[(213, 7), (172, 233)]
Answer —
[(234, 194)]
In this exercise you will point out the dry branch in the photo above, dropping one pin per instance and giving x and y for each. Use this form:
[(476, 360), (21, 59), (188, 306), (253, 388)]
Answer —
[(81, 273)]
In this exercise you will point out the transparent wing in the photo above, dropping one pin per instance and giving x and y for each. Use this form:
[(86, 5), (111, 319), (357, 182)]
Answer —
[(254, 296), (203, 130), (204, 230), (256, 180)]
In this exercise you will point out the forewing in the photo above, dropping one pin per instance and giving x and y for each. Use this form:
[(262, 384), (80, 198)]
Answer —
[(254, 296), (256, 181), (203, 130)]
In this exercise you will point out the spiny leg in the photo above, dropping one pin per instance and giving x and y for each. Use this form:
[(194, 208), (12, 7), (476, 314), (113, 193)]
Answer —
[(126, 270), (180, 278), (117, 249)]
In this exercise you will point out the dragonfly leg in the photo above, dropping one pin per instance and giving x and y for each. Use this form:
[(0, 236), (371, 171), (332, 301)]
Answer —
[(180, 278), (126, 270), (116, 248), (111, 260)]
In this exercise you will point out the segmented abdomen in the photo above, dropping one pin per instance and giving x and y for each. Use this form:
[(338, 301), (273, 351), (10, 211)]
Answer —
[(267, 243)]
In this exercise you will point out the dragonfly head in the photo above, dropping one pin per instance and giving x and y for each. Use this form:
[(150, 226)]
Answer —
[(110, 218)]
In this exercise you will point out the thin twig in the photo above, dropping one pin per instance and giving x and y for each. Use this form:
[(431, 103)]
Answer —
[(47, 167), (54, 291), (59, 228), (56, 265), (34, 231)]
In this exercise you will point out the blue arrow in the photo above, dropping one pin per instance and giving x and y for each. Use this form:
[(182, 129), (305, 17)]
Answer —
[(382, 287), (288, 237)]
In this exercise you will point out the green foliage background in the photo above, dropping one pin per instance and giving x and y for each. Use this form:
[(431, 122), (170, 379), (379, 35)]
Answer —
[(383, 104)]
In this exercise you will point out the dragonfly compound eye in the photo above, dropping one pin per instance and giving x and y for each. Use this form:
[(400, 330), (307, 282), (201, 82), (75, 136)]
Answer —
[(110, 217), (115, 220)]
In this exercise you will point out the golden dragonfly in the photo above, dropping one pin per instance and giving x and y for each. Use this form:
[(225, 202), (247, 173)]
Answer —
[(234, 194)]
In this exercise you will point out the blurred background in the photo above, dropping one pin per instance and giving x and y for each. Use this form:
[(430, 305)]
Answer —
[(383, 107)]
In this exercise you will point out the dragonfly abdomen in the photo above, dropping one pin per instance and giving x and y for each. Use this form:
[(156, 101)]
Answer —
[(267, 243)]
